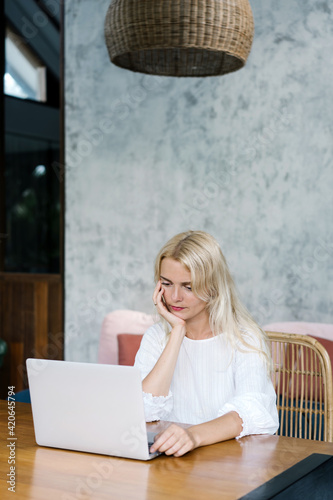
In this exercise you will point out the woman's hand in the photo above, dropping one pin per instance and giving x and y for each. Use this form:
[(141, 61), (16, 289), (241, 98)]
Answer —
[(174, 441), (177, 441), (162, 308)]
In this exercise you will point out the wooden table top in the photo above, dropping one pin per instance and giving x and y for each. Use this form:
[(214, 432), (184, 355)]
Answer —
[(225, 470)]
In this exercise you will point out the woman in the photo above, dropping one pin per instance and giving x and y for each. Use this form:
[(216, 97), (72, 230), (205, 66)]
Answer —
[(208, 362)]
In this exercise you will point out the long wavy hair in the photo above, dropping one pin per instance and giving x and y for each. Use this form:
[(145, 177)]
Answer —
[(212, 282)]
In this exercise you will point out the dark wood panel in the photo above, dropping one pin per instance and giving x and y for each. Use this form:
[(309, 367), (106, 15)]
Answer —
[(3, 233), (31, 322), (41, 296), (30, 278), (16, 350)]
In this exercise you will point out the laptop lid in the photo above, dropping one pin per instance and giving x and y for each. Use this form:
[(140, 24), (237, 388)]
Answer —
[(88, 407)]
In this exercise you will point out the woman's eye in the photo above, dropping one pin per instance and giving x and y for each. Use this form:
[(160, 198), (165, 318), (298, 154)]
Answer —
[(165, 284), (188, 288)]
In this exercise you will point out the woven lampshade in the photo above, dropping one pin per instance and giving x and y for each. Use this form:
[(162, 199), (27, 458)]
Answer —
[(179, 37)]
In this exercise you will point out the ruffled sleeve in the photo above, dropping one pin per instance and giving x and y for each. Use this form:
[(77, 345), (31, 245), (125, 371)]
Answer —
[(152, 346), (254, 399)]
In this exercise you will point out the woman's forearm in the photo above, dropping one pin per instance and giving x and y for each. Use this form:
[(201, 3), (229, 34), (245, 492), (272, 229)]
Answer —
[(220, 429), (158, 381), (175, 440)]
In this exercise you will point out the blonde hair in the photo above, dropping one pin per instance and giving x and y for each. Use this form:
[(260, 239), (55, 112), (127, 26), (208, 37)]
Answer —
[(212, 282)]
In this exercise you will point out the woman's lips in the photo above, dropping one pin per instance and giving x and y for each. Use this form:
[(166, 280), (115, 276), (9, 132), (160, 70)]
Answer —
[(177, 308)]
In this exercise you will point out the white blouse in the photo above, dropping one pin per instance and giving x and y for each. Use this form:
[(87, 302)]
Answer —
[(210, 379)]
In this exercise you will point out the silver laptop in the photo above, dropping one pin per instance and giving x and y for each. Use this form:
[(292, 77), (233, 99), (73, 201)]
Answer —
[(89, 407)]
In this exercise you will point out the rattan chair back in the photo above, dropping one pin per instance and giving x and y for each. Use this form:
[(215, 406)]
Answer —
[(302, 376)]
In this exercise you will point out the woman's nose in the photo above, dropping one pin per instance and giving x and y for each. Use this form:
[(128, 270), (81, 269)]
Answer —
[(176, 293)]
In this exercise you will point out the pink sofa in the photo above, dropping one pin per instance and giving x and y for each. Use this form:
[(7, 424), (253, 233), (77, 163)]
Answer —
[(117, 323)]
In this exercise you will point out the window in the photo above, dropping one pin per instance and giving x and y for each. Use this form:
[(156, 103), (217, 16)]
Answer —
[(30, 191), (25, 75), (32, 205)]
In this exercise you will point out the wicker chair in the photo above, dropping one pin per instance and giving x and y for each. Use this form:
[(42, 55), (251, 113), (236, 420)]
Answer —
[(302, 376)]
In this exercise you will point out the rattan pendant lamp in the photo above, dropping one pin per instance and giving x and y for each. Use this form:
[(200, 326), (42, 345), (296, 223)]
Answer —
[(179, 37)]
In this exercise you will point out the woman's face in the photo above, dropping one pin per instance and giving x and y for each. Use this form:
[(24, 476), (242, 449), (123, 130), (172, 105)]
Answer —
[(179, 298)]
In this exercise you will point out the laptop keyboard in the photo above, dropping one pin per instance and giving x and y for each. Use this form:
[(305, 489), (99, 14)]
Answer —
[(156, 453)]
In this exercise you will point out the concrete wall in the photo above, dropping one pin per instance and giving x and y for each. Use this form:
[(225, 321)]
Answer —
[(246, 157)]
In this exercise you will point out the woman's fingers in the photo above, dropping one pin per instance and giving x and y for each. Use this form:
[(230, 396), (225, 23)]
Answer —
[(162, 308), (157, 295), (183, 450), (158, 301), (173, 441), (156, 291)]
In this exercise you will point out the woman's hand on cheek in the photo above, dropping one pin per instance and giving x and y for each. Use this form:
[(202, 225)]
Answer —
[(174, 441), (162, 308)]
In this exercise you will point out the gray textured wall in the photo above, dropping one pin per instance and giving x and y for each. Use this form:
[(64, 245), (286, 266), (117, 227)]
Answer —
[(247, 157)]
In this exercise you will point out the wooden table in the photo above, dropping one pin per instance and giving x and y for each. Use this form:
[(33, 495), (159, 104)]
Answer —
[(222, 471)]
